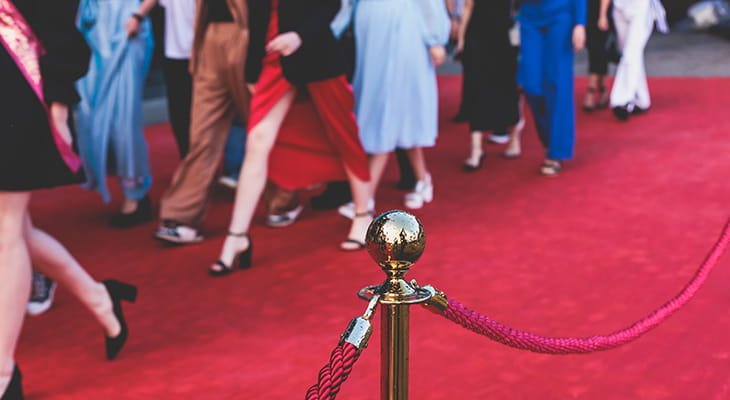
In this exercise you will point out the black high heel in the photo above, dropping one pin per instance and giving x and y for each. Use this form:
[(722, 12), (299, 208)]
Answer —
[(243, 258), (118, 291), (14, 391)]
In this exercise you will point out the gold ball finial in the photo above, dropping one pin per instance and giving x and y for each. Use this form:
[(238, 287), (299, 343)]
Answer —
[(395, 240)]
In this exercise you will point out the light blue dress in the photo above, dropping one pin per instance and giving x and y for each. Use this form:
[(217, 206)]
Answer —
[(110, 112), (396, 96)]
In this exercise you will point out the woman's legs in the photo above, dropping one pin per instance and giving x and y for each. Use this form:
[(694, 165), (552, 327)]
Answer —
[(253, 175), (476, 152), (363, 215), (378, 162), (15, 276), (50, 258)]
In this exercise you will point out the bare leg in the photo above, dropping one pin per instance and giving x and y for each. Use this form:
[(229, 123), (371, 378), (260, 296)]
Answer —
[(418, 160), (252, 180), (603, 93), (514, 146), (360, 197), (589, 102), (15, 276), (378, 162), (53, 260), (476, 151)]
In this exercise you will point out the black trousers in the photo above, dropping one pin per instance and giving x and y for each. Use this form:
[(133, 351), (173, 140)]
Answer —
[(179, 84)]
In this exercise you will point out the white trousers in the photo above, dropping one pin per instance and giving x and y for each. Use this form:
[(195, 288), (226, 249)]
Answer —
[(634, 23)]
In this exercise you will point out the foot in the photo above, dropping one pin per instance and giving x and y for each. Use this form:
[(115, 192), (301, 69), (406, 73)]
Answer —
[(103, 309), (589, 101), (232, 247), (285, 218), (422, 194), (474, 162), (499, 138), (176, 233), (550, 167), (230, 182), (132, 213), (358, 230), (347, 210), (514, 147), (604, 99), (42, 294), (621, 112)]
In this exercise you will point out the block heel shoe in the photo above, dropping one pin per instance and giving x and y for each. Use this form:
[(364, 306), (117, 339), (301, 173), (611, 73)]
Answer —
[(243, 259), (119, 291)]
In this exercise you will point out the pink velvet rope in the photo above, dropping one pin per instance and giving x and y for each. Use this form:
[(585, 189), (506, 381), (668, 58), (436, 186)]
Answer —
[(332, 375), (527, 341)]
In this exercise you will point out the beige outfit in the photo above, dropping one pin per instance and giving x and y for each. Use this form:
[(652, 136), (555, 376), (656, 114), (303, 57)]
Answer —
[(219, 92)]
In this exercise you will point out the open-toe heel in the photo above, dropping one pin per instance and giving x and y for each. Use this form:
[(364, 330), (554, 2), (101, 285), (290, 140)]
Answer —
[(118, 291), (514, 146), (356, 244), (242, 259)]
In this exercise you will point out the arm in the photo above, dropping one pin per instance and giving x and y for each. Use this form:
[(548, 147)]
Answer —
[(455, 19), (603, 15), (134, 22), (579, 30), (465, 18), (317, 22), (65, 60)]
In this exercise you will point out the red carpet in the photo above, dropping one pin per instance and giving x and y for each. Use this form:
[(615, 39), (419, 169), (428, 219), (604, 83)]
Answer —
[(617, 234)]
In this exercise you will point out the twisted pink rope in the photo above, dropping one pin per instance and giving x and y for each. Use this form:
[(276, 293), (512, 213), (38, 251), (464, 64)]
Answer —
[(527, 341), (334, 374)]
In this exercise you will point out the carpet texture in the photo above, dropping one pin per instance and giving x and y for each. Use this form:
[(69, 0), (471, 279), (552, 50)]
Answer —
[(617, 234)]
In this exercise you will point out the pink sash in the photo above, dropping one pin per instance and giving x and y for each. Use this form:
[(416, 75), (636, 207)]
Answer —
[(24, 47)]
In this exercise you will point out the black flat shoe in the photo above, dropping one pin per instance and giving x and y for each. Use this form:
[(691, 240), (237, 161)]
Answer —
[(143, 213), (243, 259), (621, 112), (14, 391), (118, 291)]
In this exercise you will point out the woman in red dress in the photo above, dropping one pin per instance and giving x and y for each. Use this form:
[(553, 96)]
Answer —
[(292, 48)]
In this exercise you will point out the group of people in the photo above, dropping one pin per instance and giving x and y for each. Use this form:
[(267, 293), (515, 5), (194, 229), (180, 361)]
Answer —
[(279, 67)]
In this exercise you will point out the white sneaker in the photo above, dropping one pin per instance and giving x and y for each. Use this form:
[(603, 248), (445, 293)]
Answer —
[(172, 232), (347, 210), (284, 219), (422, 194), (42, 297)]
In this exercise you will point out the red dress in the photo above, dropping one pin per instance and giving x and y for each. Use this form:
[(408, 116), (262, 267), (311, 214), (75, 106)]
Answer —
[(319, 134)]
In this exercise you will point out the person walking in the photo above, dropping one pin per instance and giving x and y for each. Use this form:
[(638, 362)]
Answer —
[(490, 95), (217, 64), (634, 21), (42, 54), (398, 46), (550, 32), (110, 112)]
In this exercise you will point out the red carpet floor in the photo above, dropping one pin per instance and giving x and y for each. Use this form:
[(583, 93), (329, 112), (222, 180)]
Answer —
[(615, 236)]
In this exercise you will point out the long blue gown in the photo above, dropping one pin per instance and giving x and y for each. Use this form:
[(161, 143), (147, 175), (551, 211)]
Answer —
[(396, 96), (110, 112)]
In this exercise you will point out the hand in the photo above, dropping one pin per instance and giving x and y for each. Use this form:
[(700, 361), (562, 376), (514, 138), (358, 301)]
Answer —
[(132, 27), (59, 117), (459, 46), (454, 32), (579, 37), (251, 88), (438, 55), (285, 44), (603, 23)]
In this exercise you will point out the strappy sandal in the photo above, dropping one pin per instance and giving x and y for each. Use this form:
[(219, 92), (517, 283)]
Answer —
[(359, 244), (590, 94), (243, 258), (550, 168)]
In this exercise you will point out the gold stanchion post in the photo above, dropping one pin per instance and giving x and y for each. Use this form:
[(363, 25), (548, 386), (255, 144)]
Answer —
[(395, 240)]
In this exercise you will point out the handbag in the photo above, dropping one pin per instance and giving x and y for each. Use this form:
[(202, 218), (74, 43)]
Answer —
[(613, 51)]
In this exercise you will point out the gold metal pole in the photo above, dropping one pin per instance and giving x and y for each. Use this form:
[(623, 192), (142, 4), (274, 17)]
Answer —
[(394, 351), (395, 241)]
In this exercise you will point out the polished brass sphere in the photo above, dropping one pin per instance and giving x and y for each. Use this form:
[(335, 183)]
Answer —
[(395, 240)]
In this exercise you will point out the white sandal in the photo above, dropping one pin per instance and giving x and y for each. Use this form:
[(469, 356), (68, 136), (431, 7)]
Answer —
[(422, 194)]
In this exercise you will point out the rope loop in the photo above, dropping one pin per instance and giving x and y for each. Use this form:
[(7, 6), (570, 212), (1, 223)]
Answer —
[(483, 325)]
